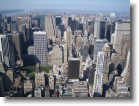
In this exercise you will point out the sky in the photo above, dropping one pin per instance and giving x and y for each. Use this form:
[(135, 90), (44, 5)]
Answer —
[(106, 5)]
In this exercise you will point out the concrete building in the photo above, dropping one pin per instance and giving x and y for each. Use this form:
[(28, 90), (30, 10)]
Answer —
[(28, 86), (31, 50), (91, 79), (99, 29), (39, 79), (69, 39), (58, 20), (126, 74), (17, 82), (40, 47), (38, 92), (4, 50), (18, 44), (80, 89), (98, 80), (98, 47), (51, 82), (56, 56), (90, 27), (106, 50), (120, 87), (121, 28), (73, 68), (50, 27)]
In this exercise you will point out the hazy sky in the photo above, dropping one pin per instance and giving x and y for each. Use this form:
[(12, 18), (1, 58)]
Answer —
[(109, 5)]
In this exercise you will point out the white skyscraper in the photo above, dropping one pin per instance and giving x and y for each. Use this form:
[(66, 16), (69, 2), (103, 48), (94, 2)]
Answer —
[(69, 40), (40, 47), (98, 46), (120, 29), (98, 80)]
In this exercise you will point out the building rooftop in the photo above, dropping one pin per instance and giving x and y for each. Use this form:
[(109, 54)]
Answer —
[(39, 32), (74, 59)]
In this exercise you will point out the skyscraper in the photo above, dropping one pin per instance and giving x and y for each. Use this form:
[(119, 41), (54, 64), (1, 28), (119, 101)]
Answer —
[(99, 29), (106, 50), (50, 27), (4, 50), (69, 39), (73, 68), (58, 20), (98, 46), (17, 39), (98, 81), (121, 28), (40, 47), (69, 20)]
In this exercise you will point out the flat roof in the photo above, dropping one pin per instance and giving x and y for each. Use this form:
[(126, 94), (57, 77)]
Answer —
[(74, 59), (39, 32)]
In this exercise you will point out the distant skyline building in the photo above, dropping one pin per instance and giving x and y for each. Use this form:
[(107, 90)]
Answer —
[(99, 29), (40, 47), (50, 27), (58, 20)]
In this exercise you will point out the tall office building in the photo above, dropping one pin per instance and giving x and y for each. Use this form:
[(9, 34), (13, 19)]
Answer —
[(14, 27), (126, 72), (90, 27), (36, 22), (73, 26), (99, 29), (18, 44), (40, 47), (69, 39), (58, 20), (50, 27), (73, 68), (108, 31), (69, 20), (98, 46), (79, 42), (121, 28), (4, 51), (65, 54), (98, 81), (56, 56), (91, 78), (106, 50), (84, 52), (11, 50)]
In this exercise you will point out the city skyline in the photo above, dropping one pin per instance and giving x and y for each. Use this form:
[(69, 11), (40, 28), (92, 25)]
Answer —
[(96, 5)]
